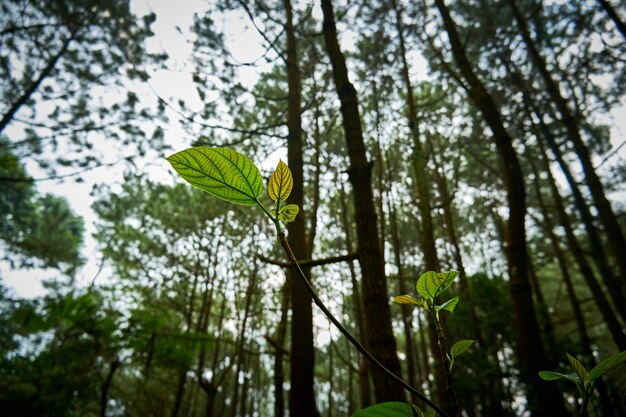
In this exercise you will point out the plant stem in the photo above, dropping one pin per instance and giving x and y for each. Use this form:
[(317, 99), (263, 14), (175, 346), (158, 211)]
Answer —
[(294, 263), (445, 361), (583, 407)]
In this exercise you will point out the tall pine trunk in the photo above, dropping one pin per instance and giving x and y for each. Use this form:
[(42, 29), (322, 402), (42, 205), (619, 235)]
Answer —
[(545, 399), (427, 235), (302, 360), (613, 230), (380, 339)]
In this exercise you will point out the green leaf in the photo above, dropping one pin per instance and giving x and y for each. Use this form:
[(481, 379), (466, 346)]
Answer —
[(407, 299), (449, 305), (430, 284), (388, 409), (281, 183), (222, 172), (579, 368), (606, 365), (460, 347), (288, 213), (417, 410), (554, 376)]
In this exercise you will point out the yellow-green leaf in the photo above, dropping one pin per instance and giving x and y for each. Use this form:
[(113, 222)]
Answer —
[(578, 368), (288, 213), (406, 299), (281, 183), (222, 172)]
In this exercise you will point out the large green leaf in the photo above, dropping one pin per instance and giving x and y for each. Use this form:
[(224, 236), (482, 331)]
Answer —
[(219, 171), (389, 409), (430, 284), (607, 364)]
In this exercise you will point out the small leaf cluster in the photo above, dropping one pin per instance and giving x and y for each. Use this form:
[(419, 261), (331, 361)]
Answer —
[(585, 380), (279, 188), (431, 285), (230, 176)]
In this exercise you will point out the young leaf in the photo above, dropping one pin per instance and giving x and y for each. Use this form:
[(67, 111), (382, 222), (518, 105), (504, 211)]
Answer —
[(407, 299), (288, 213), (460, 347), (606, 365), (449, 305), (429, 411), (417, 410), (430, 284), (281, 183), (554, 376), (388, 409), (222, 172), (579, 368)]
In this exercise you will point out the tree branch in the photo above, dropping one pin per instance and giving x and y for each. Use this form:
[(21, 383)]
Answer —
[(309, 263)]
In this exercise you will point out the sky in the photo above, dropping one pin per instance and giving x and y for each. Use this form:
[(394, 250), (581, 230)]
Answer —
[(172, 35)]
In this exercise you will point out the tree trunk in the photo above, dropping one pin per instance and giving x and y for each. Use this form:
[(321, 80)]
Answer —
[(543, 132), (279, 378), (581, 327), (607, 217), (302, 360), (405, 310), (242, 339), (104, 398), (380, 339), (364, 381), (585, 269), (545, 400), (427, 235), (595, 243)]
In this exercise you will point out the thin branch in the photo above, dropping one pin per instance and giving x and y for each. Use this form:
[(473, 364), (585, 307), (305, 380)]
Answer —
[(309, 263), (318, 302)]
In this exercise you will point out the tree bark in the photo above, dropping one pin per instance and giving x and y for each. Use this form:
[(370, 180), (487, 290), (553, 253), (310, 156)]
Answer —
[(380, 339), (545, 400)]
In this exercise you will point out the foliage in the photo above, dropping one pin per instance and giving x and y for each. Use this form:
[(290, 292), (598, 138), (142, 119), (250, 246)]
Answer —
[(36, 229), (55, 352), (58, 59), (584, 380), (431, 285)]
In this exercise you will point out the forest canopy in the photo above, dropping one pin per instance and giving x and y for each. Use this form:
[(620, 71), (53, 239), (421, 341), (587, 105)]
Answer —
[(313, 208)]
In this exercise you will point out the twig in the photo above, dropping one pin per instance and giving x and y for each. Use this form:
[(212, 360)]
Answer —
[(311, 262)]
